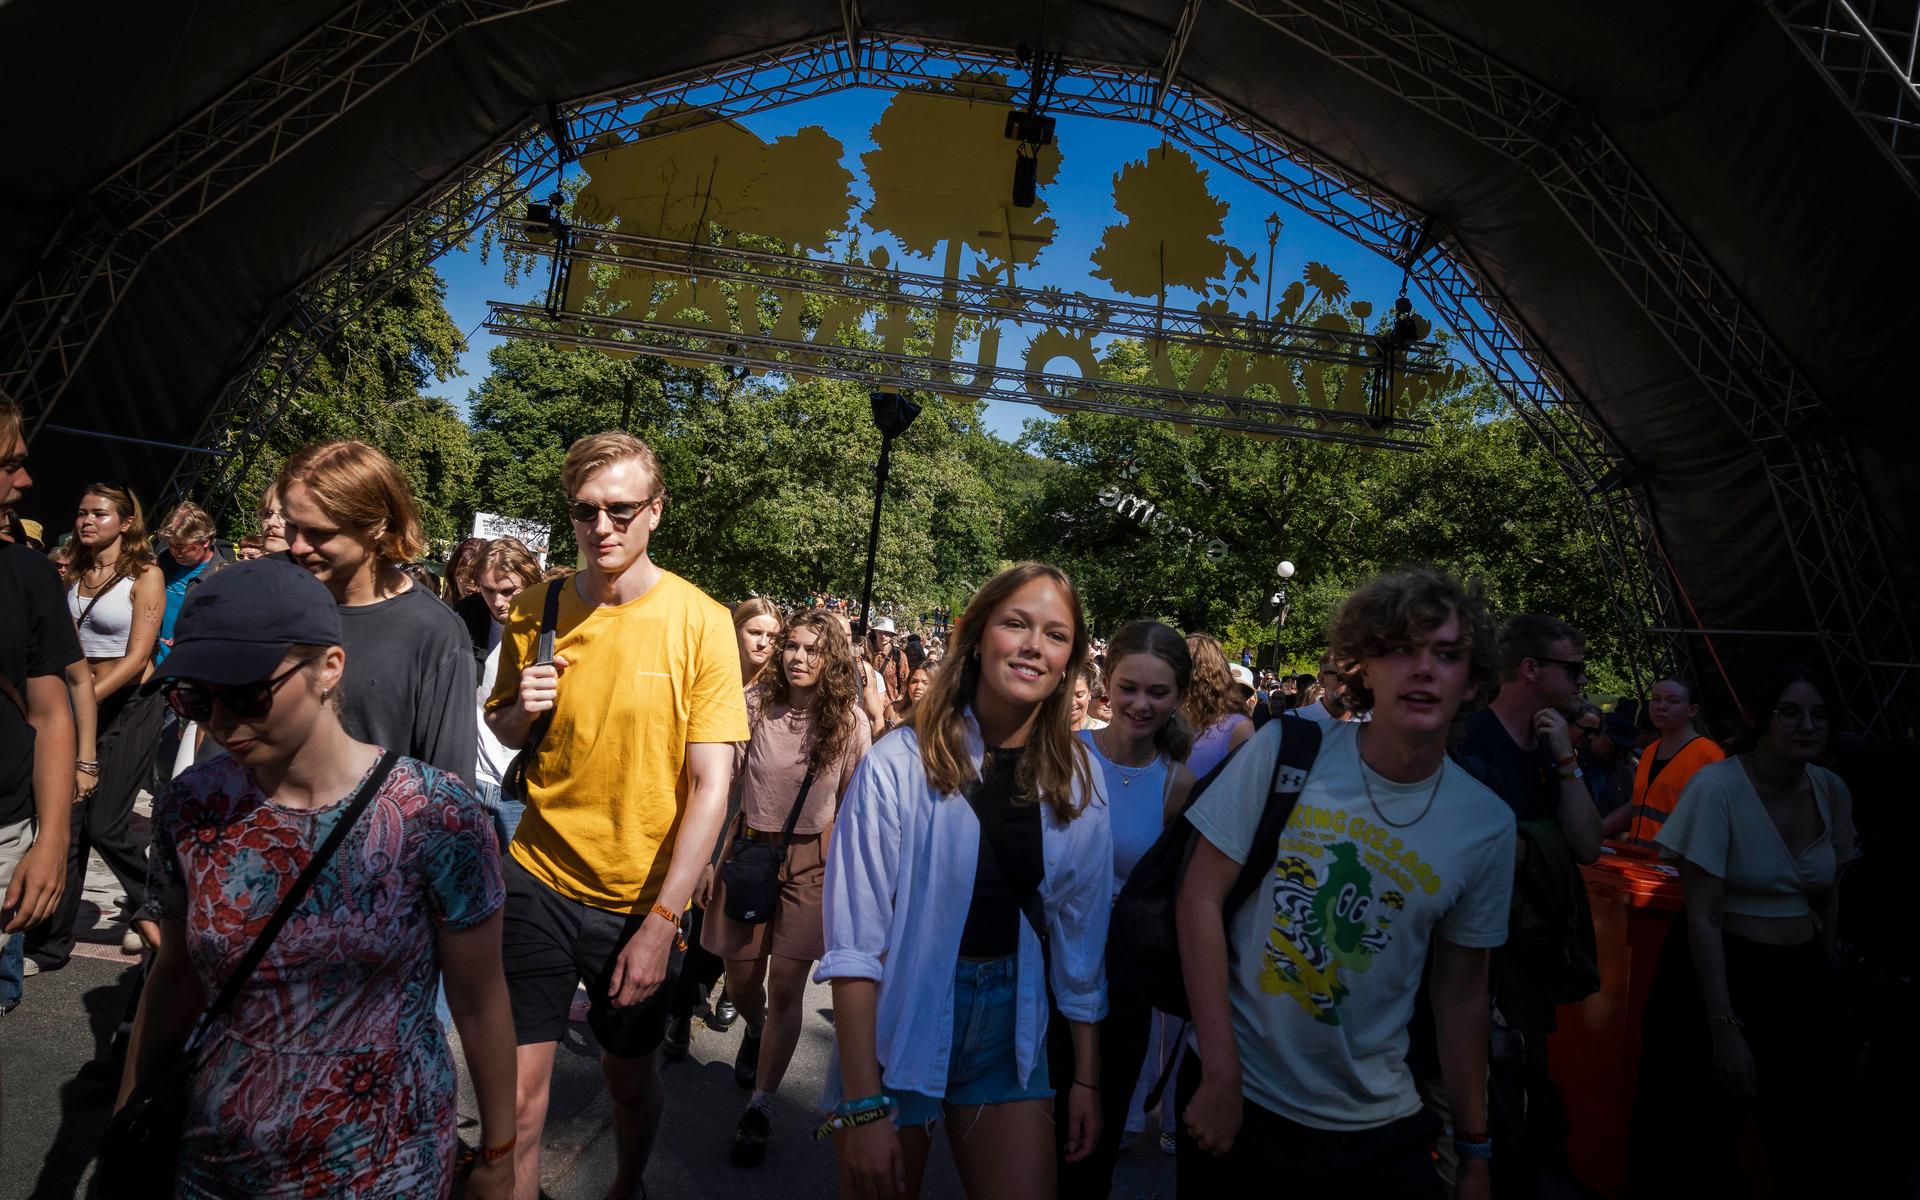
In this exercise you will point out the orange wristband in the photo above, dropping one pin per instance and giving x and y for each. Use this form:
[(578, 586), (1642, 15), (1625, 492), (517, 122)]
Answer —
[(496, 1153), (672, 917)]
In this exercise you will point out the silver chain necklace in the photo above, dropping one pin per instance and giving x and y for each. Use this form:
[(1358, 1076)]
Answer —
[(1126, 780), (1374, 805)]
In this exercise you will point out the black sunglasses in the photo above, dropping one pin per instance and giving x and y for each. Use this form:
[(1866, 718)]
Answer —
[(1576, 667), (620, 512), (248, 701)]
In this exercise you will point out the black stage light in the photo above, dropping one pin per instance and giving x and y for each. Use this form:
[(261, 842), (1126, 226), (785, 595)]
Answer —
[(1026, 181)]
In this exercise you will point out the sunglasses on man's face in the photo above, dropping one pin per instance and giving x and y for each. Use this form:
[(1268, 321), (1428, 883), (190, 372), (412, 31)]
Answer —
[(247, 701), (620, 512)]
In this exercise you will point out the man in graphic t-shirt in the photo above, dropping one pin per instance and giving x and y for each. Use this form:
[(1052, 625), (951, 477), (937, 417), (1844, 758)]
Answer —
[(643, 702), (1298, 1081)]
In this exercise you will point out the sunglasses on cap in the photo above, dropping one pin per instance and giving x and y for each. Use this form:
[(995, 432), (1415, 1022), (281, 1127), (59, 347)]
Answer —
[(248, 701)]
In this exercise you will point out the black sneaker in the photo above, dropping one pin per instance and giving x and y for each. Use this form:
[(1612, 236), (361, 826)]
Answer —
[(746, 1064), (750, 1139), (724, 1014), (679, 1038)]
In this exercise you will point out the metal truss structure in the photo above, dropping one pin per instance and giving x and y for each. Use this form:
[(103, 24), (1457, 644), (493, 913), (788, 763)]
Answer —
[(53, 320), (1869, 52), (887, 370), (1829, 527), (979, 299)]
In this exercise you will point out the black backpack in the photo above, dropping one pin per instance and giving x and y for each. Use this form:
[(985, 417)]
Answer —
[(1143, 945)]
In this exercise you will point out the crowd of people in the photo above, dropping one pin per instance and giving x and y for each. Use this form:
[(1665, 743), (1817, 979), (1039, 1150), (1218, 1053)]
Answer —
[(510, 783)]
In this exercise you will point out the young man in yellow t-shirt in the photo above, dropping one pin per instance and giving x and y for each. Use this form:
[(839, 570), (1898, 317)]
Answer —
[(645, 700)]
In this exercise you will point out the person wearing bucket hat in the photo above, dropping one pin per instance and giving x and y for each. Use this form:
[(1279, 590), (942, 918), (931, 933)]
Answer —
[(285, 1087)]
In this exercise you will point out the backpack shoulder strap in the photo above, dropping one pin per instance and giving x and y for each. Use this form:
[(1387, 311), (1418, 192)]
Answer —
[(1299, 746)]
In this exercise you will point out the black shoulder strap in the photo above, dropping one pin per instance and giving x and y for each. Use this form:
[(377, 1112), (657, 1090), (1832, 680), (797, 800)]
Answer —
[(1299, 746), (543, 654), (230, 990), (793, 815)]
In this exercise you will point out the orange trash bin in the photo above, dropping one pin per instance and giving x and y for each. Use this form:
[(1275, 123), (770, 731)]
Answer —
[(1593, 1057)]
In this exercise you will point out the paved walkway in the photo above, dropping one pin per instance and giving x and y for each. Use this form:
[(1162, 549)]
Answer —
[(53, 1119)]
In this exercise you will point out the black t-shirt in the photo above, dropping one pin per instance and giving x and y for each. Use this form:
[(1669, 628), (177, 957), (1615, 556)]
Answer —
[(994, 917), (1525, 779), (410, 681), (36, 639)]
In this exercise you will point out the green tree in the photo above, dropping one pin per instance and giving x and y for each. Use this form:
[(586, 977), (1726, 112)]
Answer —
[(368, 385), (1133, 511), (769, 479)]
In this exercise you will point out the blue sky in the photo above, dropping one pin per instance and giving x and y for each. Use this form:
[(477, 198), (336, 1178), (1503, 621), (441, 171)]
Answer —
[(1080, 199)]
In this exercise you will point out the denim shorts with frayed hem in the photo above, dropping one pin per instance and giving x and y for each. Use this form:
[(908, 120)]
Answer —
[(981, 1069)]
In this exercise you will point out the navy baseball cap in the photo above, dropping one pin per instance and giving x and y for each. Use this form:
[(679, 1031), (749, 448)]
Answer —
[(238, 623)]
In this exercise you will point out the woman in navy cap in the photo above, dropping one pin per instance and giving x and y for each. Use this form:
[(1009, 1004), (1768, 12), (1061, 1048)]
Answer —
[(329, 1074)]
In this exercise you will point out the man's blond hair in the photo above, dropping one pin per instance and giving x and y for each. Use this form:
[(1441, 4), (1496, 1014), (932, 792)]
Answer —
[(593, 454)]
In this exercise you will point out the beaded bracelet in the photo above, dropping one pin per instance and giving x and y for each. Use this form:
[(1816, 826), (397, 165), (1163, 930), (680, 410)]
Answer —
[(840, 1121), (1482, 1149)]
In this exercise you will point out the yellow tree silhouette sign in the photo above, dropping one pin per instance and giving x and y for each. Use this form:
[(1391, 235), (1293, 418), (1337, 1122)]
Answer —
[(939, 171)]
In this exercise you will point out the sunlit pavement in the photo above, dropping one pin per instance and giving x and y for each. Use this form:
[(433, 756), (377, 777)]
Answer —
[(53, 1119)]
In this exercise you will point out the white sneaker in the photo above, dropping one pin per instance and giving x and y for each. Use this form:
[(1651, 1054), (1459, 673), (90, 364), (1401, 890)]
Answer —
[(132, 943), (29, 967)]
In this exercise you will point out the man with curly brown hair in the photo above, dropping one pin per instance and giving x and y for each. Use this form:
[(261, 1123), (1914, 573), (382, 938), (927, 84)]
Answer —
[(1297, 1077)]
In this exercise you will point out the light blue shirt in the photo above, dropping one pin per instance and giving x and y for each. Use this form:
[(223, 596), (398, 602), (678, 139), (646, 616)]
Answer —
[(898, 886)]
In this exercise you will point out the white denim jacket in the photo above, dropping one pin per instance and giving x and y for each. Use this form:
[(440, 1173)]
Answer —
[(899, 884)]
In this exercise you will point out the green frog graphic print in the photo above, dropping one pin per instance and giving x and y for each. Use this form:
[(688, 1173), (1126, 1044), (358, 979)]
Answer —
[(1326, 925)]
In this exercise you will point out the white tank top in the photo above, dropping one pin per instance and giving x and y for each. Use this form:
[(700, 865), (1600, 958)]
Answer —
[(109, 620)]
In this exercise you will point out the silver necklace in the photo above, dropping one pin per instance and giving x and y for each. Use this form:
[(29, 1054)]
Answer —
[(1374, 805), (1126, 780)]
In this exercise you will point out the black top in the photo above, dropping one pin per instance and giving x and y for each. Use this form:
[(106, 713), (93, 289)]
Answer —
[(36, 639), (1525, 779), (994, 918), (1659, 765), (410, 682)]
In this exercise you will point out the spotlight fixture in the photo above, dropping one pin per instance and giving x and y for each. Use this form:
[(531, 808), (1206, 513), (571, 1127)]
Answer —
[(1405, 328), (1031, 127)]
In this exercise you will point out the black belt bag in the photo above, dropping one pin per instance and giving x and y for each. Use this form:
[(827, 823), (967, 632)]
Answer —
[(751, 873)]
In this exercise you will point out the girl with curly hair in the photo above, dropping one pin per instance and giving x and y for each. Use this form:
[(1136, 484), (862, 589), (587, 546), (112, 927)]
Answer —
[(808, 736), (1211, 709)]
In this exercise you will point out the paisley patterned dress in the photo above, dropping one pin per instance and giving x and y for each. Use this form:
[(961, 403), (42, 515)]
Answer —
[(330, 1076)]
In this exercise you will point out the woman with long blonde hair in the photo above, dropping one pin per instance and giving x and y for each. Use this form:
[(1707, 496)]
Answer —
[(756, 622), (808, 736), (960, 832), (117, 596)]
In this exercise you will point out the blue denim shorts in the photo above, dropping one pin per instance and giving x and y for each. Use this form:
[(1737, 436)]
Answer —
[(982, 1068)]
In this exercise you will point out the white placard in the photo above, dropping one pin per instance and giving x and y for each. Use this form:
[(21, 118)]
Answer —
[(532, 534)]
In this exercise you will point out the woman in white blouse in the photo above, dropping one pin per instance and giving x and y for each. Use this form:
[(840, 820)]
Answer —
[(956, 836), (1741, 1021)]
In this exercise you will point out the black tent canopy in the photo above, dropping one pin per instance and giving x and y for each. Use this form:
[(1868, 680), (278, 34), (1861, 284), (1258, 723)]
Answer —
[(1690, 226)]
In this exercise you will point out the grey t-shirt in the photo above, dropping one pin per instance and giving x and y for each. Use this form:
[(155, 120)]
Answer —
[(1326, 956), (410, 680)]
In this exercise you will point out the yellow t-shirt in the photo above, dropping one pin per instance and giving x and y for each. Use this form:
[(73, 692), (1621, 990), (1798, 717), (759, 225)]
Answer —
[(606, 790)]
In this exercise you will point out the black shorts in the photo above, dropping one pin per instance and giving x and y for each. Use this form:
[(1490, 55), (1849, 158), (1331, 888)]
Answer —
[(550, 944)]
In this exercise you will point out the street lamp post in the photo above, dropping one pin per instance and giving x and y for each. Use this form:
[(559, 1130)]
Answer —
[(892, 413), (1279, 602)]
